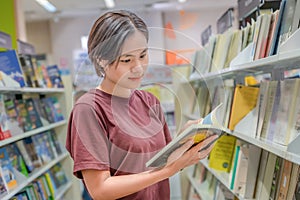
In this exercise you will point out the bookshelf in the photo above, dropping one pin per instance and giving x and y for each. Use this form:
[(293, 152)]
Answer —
[(64, 96), (288, 58)]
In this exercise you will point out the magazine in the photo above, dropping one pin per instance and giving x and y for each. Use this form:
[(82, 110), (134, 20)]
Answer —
[(210, 125)]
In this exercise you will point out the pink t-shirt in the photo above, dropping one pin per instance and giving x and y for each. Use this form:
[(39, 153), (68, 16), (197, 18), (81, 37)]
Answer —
[(118, 134)]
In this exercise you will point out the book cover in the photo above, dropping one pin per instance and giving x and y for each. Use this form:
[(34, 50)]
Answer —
[(23, 115), (33, 114), (268, 177), (276, 177), (28, 70), (276, 35), (274, 21), (296, 18), (4, 128), (287, 20), (284, 182), (41, 111), (221, 155), (210, 125), (16, 158), (286, 111), (32, 154), (11, 70), (270, 98), (261, 173), (246, 170), (58, 175), (13, 119), (53, 109), (55, 143), (293, 181), (244, 100), (7, 170), (55, 77)]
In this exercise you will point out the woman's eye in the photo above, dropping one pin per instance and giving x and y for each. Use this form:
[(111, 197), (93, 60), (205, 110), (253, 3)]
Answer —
[(143, 56), (125, 61)]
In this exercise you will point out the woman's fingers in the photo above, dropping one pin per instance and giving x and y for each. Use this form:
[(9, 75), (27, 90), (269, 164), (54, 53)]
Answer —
[(180, 151)]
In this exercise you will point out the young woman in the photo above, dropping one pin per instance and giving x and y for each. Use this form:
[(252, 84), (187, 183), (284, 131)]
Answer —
[(115, 129)]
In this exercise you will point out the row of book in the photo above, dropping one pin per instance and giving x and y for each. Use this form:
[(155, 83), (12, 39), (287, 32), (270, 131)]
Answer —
[(44, 187), (269, 110), (19, 159), (22, 70), (261, 38), (20, 114), (210, 186), (254, 173)]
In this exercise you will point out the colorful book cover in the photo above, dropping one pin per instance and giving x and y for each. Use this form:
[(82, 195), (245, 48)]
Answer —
[(23, 115), (16, 158), (4, 128), (28, 70), (57, 144), (33, 114), (55, 77), (11, 70), (53, 109), (7, 170), (58, 175)]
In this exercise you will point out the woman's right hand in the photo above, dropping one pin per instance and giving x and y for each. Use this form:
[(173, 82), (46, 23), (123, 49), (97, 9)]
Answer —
[(187, 155)]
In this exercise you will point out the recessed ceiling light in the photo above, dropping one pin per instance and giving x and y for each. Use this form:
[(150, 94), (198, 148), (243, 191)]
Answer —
[(181, 1), (47, 5), (109, 3)]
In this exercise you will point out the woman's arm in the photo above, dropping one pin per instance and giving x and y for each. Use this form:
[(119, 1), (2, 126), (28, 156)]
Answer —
[(105, 187)]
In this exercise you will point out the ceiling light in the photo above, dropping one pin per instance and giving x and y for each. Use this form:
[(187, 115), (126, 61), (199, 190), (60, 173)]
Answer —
[(181, 1), (109, 3), (47, 5)]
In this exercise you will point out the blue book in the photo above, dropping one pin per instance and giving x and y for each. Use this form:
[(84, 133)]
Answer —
[(11, 70), (55, 77)]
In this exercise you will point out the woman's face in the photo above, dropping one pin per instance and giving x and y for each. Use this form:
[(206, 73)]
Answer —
[(129, 71)]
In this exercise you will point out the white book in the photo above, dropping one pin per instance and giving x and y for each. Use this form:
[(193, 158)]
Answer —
[(296, 17), (286, 110)]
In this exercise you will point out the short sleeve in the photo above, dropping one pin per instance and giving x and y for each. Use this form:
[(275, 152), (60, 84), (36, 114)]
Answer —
[(160, 113), (87, 140)]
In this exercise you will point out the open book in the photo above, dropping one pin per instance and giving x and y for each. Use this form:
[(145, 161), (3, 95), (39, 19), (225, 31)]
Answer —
[(210, 125)]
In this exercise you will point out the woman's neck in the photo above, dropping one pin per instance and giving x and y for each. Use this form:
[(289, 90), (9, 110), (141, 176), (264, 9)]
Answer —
[(114, 90)]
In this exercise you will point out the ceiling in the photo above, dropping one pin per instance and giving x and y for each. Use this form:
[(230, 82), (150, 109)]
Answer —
[(71, 8)]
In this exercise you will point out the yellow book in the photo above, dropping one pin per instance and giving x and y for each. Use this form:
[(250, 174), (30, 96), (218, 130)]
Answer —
[(50, 184), (221, 154), (244, 100)]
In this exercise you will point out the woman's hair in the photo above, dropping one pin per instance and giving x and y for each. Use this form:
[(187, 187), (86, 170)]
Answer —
[(108, 34)]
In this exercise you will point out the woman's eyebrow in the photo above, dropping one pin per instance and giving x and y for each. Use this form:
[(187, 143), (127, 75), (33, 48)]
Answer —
[(130, 55)]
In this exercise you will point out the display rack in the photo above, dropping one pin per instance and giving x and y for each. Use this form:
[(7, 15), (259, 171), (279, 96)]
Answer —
[(64, 96), (288, 58)]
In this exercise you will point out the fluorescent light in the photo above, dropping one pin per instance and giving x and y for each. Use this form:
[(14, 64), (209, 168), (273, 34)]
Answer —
[(109, 3), (181, 1), (47, 5)]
